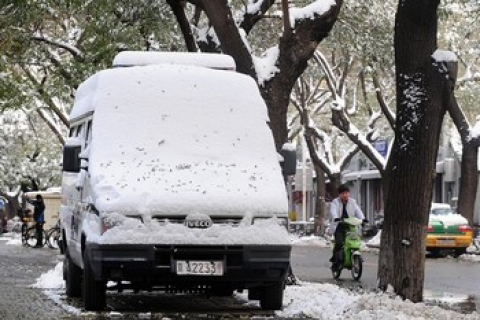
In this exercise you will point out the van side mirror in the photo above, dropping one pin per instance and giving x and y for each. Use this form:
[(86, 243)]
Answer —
[(71, 159), (289, 163)]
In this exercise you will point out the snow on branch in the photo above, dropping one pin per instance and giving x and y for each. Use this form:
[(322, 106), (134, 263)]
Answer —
[(321, 154), (76, 53), (265, 66), (444, 56), (310, 11), (252, 12)]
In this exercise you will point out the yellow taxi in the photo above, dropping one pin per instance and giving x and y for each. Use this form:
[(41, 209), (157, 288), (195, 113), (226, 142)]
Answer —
[(447, 230)]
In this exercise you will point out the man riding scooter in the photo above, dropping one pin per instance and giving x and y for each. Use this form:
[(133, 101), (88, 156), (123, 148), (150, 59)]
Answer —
[(341, 208)]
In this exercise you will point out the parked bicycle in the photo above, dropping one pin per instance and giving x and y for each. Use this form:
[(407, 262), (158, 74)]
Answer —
[(21, 225), (53, 235), (31, 237)]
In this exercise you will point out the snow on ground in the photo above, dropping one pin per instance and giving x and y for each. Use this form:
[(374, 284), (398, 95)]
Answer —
[(11, 238), (306, 300)]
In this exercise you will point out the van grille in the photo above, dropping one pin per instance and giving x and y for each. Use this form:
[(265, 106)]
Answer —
[(230, 221)]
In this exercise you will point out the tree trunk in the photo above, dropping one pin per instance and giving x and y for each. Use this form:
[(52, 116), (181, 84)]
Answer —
[(335, 182), (222, 19), (421, 105), (179, 12), (468, 181)]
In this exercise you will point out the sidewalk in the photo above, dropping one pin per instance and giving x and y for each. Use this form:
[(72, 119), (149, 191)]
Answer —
[(19, 268)]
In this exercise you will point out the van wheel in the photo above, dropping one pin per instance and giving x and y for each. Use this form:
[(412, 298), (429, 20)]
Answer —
[(94, 291), (272, 296), (73, 277)]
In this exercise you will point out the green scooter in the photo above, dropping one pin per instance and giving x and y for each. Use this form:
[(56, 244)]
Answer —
[(352, 258)]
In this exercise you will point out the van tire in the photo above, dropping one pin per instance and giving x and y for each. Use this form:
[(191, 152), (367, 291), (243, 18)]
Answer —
[(272, 296), (73, 278), (94, 291)]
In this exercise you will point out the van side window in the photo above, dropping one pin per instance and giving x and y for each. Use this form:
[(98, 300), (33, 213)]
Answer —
[(72, 131), (88, 133), (79, 131)]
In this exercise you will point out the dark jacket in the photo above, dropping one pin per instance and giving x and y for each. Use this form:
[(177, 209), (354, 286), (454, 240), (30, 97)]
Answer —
[(38, 211)]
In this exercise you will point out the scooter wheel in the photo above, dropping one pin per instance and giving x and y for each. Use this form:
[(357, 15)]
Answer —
[(357, 267)]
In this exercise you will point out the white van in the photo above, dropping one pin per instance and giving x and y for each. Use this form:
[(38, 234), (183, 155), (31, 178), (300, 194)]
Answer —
[(171, 182)]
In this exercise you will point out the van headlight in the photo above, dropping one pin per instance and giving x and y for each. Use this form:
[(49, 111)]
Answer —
[(282, 221)]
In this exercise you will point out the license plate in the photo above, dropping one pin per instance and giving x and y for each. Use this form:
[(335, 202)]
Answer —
[(446, 242), (199, 268)]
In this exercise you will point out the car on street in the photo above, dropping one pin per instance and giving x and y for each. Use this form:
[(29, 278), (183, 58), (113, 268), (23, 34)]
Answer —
[(447, 230)]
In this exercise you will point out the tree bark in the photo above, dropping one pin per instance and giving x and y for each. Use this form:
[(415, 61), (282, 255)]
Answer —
[(468, 181), (179, 12), (221, 17), (295, 51), (422, 97)]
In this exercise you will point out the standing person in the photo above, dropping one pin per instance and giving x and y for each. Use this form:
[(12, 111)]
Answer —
[(341, 208), (39, 217)]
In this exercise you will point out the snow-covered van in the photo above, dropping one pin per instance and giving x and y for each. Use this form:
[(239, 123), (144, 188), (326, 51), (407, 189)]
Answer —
[(171, 182)]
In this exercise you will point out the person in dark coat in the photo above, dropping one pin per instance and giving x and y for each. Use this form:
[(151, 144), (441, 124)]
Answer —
[(39, 217)]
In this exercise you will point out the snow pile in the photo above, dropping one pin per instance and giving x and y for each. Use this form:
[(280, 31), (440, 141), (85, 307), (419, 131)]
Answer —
[(11, 238), (329, 302), (52, 279), (133, 231), (375, 241), (311, 241), (470, 257), (307, 300)]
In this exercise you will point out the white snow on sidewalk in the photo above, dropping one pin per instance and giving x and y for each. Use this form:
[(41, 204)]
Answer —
[(307, 300)]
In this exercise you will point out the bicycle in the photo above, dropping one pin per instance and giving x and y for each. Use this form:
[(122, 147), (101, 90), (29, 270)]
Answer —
[(20, 227), (31, 237), (53, 235)]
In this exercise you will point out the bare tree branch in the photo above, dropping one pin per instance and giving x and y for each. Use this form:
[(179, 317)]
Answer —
[(179, 12), (77, 54), (47, 98), (381, 101)]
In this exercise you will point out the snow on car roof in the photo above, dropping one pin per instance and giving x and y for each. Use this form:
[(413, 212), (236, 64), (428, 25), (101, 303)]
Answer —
[(142, 58), (440, 206), (180, 139)]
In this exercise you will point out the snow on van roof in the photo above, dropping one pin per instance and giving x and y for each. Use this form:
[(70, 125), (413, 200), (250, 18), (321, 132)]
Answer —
[(142, 58), (181, 139)]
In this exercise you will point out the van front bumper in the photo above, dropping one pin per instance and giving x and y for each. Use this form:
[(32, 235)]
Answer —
[(155, 265)]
